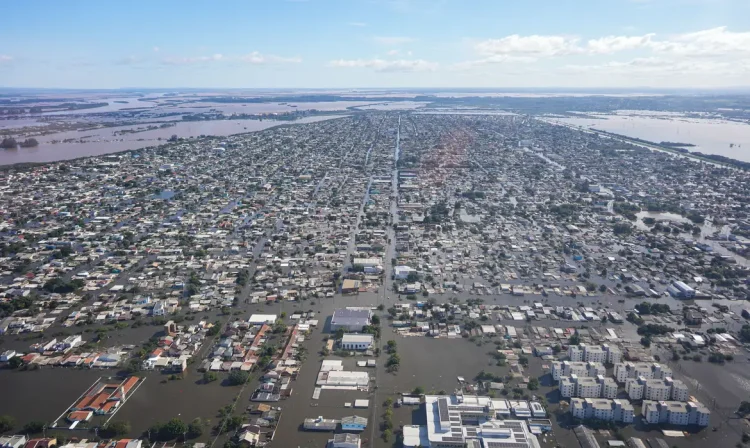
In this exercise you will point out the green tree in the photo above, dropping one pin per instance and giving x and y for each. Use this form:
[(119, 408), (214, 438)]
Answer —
[(33, 427), (209, 377), (533, 384), (173, 429), (238, 377), (7, 423), (195, 428), (116, 429), (387, 434), (419, 390)]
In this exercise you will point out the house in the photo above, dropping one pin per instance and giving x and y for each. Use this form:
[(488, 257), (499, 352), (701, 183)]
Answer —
[(41, 443), (7, 355), (353, 423), (249, 435), (159, 308), (13, 441), (349, 286), (693, 317), (357, 341), (350, 319), (344, 440), (402, 272)]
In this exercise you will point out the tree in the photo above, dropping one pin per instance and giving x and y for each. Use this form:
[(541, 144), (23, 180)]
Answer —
[(15, 362), (391, 345), (574, 339), (116, 429), (238, 377), (173, 429), (533, 384), (419, 390), (9, 143), (29, 143), (34, 427), (209, 377), (387, 434), (7, 423), (195, 428)]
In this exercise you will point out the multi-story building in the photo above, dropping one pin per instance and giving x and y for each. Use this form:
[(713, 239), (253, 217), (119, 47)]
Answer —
[(595, 353), (649, 371), (602, 409), (575, 353), (457, 421), (587, 387), (676, 413), (580, 369), (656, 390), (614, 354), (679, 390)]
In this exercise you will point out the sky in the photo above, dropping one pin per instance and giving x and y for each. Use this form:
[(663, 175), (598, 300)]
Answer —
[(375, 43)]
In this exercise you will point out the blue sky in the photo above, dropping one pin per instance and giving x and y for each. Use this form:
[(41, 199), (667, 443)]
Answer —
[(375, 43)]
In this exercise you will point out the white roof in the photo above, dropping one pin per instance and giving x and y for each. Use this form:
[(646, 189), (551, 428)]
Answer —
[(356, 338), (257, 319)]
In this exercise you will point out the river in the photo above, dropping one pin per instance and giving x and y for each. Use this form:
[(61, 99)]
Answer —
[(710, 136), (104, 141)]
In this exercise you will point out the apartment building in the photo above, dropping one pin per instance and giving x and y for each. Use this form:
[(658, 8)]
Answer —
[(580, 369), (676, 413), (602, 409), (595, 353), (656, 390), (649, 371), (587, 387)]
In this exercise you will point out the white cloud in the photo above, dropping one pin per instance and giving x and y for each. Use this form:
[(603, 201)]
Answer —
[(383, 65), (156, 49), (129, 60), (393, 40), (714, 42), (253, 58), (5, 58), (534, 46), (614, 44), (258, 58), (358, 24), (393, 52), (494, 60), (193, 60)]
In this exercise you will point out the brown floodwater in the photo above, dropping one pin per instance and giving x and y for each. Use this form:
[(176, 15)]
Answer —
[(104, 141)]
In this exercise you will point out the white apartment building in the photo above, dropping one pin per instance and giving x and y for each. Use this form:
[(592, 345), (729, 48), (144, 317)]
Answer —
[(649, 371), (595, 353), (587, 387), (676, 413), (575, 353), (656, 390), (614, 354), (602, 409), (580, 369), (679, 390)]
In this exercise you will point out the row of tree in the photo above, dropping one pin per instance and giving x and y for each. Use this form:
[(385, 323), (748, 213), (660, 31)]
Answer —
[(11, 143)]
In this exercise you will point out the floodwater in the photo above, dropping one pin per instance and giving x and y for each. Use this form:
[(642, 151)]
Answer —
[(103, 141), (43, 395), (707, 230), (710, 136)]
